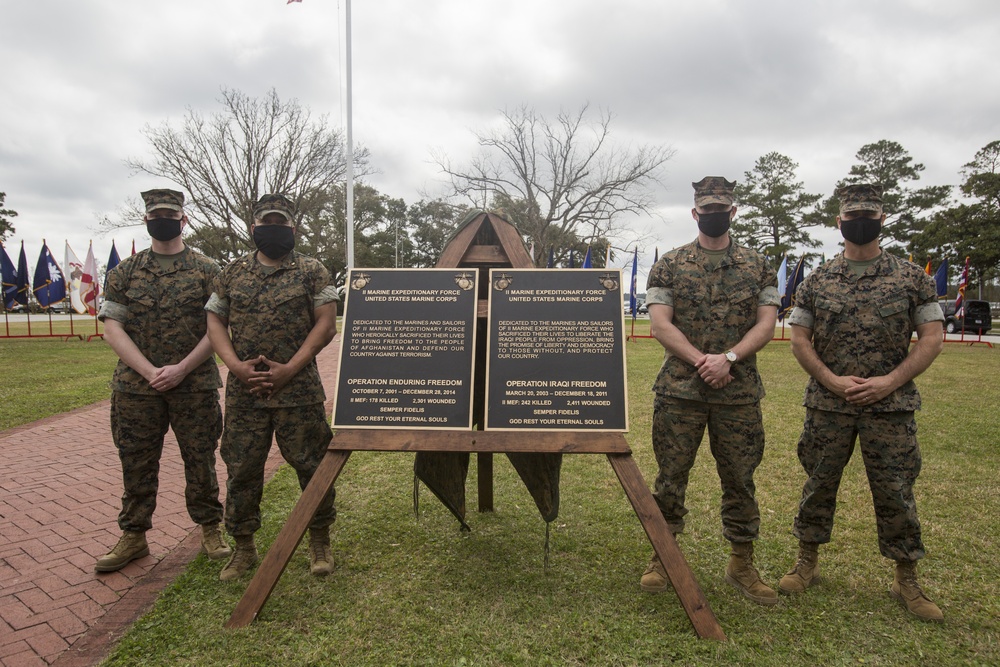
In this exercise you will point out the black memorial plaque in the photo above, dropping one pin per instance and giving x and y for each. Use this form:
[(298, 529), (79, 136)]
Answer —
[(406, 353), (556, 354)]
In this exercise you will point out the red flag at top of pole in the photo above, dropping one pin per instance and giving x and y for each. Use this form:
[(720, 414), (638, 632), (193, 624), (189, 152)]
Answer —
[(927, 269), (133, 246), (962, 284)]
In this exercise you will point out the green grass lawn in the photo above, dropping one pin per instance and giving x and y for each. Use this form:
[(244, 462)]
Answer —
[(416, 591), (43, 377)]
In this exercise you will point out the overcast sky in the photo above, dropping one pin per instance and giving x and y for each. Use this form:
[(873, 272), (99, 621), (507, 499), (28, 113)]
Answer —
[(721, 81)]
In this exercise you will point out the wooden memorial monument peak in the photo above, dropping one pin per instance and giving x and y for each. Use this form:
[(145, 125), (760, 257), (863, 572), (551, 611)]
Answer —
[(484, 241)]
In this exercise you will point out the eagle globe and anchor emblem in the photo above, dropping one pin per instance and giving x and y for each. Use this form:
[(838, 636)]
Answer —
[(608, 281), (360, 280), (464, 281), (502, 282)]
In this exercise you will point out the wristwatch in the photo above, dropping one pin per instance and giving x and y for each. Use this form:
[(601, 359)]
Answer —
[(730, 356)]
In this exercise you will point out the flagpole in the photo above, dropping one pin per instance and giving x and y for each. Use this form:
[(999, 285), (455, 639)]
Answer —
[(350, 145)]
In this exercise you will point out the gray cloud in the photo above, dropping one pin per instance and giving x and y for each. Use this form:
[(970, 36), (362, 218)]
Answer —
[(722, 81)]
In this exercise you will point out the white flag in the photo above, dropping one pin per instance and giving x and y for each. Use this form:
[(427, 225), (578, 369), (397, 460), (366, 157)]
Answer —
[(74, 277), (89, 287)]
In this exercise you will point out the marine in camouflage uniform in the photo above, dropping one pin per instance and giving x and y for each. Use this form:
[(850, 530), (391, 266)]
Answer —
[(269, 316), (851, 330), (712, 306), (166, 377)]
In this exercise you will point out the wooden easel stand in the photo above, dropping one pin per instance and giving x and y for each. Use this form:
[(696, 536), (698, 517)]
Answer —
[(563, 442)]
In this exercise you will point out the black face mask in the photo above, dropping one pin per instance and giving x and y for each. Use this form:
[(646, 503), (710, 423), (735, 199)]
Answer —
[(861, 231), (275, 241), (714, 224), (163, 229)]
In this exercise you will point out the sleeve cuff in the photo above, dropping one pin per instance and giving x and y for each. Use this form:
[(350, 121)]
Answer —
[(327, 295), (801, 317), (929, 312), (769, 297), (661, 295), (218, 305), (114, 311)]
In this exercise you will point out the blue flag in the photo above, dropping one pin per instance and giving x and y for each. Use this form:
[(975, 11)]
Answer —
[(788, 300), (941, 279), (49, 285), (783, 272), (572, 260), (9, 278), (635, 269), (552, 258), (587, 262), (656, 254), (113, 261), (21, 281)]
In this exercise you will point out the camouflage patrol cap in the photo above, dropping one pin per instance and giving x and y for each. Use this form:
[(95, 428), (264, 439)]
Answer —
[(860, 197), (713, 190), (162, 198), (274, 204)]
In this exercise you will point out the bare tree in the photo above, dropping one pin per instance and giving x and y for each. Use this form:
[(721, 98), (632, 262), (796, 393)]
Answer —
[(560, 182), (226, 161)]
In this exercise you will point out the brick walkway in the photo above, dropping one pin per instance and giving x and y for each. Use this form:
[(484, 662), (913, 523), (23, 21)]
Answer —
[(60, 490)]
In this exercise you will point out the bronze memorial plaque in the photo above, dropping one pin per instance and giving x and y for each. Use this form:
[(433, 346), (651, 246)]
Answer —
[(406, 352), (556, 353)]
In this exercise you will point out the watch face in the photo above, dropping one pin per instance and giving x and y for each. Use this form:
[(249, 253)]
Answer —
[(731, 356)]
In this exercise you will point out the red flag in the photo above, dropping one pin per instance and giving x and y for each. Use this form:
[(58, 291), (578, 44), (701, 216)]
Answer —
[(89, 287), (133, 246), (962, 283), (927, 269)]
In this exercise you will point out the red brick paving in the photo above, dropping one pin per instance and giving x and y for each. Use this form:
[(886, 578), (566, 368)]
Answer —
[(60, 489)]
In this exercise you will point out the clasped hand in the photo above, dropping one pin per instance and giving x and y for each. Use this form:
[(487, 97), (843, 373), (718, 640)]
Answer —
[(864, 391), (263, 382), (714, 370)]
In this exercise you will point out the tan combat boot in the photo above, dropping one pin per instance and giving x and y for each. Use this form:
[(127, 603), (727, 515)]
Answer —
[(654, 579), (320, 558), (242, 560), (906, 590), (212, 544), (743, 576), (804, 573), (131, 545)]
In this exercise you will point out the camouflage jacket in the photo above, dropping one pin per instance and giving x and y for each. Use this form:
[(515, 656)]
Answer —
[(714, 309), (270, 313), (162, 311), (862, 325)]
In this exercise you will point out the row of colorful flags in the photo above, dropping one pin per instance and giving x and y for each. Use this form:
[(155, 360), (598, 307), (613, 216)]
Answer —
[(791, 282), (941, 283), (51, 283)]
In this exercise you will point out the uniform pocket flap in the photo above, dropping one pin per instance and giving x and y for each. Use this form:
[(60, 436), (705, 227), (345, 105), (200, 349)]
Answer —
[(826, 303), (893, 307)]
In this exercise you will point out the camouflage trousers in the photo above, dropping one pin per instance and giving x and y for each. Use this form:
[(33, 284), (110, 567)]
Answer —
[(138, 424), (736, 438), (892, 461), (303, 435)]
